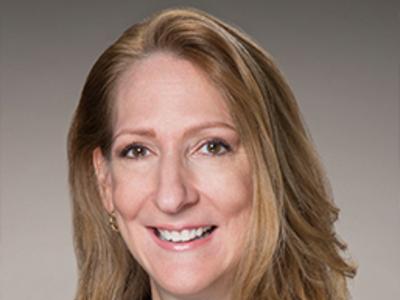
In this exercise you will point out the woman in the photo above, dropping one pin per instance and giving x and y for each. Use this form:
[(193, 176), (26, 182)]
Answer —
[(192, 174)]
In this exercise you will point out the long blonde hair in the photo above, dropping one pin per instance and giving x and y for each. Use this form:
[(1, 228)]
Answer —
[(292, 250)]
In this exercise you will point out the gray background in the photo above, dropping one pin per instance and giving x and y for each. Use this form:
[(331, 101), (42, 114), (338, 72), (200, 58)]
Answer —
[(341, 58)]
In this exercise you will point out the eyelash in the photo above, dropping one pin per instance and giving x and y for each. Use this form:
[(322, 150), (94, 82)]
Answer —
[(217, 141), (125, 152)]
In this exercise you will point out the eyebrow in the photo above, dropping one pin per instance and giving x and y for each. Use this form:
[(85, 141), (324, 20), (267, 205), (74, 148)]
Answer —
[(149, 132)]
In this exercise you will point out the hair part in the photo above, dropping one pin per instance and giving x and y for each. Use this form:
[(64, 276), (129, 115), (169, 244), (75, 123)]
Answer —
[(295, 253)]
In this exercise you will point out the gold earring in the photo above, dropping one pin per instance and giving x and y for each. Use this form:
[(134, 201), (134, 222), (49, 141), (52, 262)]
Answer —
[(112, 221)]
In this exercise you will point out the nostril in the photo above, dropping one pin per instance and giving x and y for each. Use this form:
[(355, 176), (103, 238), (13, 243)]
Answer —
[(172, 200)]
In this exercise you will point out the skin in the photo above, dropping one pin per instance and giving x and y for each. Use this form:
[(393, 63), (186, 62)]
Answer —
[(174, 176)]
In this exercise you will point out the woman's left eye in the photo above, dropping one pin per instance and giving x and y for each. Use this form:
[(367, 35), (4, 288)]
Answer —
[(215, 147)]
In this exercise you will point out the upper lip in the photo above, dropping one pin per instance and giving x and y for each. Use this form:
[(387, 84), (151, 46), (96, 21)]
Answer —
[(171, 227)]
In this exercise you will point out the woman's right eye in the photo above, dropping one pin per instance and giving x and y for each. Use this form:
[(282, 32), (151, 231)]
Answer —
[(134, 151)]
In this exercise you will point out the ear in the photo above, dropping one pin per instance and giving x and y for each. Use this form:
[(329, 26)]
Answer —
[(104, 181)]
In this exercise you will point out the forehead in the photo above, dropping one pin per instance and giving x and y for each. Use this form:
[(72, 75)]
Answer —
[(165, 87)]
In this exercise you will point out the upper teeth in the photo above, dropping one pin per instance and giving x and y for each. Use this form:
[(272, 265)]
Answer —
[(184, 235)]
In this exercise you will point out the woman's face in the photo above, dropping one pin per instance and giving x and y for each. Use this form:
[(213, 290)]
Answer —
[(178, 179)]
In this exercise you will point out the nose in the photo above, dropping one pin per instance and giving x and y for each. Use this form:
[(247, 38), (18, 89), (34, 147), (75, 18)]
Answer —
[(175, 191)]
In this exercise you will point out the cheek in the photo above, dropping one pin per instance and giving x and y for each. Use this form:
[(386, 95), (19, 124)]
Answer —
[(129, 192), (227, 185)]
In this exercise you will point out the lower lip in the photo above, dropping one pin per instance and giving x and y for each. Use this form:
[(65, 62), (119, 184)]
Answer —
[(183, 246)]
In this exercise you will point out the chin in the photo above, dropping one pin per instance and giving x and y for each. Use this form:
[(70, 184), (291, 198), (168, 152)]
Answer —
[(193, 282), (185, 282)]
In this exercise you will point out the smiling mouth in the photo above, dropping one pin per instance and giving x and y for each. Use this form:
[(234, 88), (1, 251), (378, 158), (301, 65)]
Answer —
[(185, 235)]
